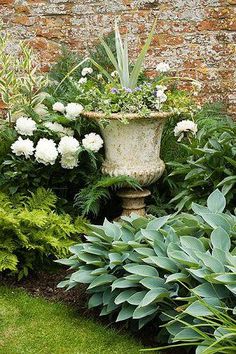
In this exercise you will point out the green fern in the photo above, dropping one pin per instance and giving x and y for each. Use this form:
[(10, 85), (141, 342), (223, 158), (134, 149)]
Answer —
[(31, 232), (42, 199), (90, 198)]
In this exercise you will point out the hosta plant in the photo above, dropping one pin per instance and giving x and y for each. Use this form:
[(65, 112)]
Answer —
[(141, 267)]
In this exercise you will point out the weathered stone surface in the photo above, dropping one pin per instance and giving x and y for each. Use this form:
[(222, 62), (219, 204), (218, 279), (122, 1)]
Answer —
[(196, 37)]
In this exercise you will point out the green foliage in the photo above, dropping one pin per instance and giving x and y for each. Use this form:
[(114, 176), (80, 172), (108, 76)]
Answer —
[(211, 329), (31, 233), (20, 81), (142, 267), (96, 193), (210, 164)]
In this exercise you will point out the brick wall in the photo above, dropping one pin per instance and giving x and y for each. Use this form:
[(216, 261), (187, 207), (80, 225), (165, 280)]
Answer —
[(196, 37)]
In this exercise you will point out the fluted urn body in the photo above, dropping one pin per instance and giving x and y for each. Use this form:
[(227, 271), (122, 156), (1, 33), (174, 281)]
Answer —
[(132, 146)]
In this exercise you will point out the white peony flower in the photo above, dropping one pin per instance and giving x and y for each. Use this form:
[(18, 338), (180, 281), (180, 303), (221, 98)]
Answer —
[(46, 151), (58, 107), (69, 161), (86, 71), (185, 126), (41, 109), (25, 126), (83, 80), (68, 146), (162, 67), (23, 147), (92, 142), (58, 128), (73, 110)]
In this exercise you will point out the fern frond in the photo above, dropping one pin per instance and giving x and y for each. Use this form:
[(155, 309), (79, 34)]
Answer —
[(90, 198), (8, 261), (34, 218), (42, 199)]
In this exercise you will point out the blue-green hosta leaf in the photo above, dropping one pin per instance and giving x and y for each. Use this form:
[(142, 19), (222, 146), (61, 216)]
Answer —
[(152, 283), (153, 295), (220, 239), (125, 313), (217, 220), (197, 309), (101, 280), (210, 290), (143, 321), (145, 251), (201, 349), (82, 276), (232, 288), (127, 235), (122, 284), (142, 270), (227, 278), (216, 202), (115, 258), (199, 209), (76, 248), (136, 298), (140, 222), (90, 259), (172, 278), (192, 242), (63, 284), (141, 312), (120, 246), (124, 296), (157, 223), (183, 258), (112, 230), (152, 235), (199, 273), (211, 262), (220, 255), (99, 271), (164, 263), (187, 335), (95, 300), (93, 249)]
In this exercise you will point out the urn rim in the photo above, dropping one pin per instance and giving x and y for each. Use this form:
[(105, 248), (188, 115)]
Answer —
[(129, 116)]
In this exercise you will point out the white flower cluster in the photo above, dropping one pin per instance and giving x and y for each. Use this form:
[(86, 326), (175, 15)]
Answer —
[(58, 128), (92, 142), (160, 95), (86, 71), (25, 126), (163, 67), (68, 148), (23, 147), (46, 151), (183, 127), (72, 110)]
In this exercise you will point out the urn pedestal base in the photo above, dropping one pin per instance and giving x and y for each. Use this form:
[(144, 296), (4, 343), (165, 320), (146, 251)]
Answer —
[(133, 201)]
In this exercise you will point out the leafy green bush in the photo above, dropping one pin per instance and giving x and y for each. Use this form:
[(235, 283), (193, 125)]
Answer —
[(31, 232), (140, 267), (211, 329)]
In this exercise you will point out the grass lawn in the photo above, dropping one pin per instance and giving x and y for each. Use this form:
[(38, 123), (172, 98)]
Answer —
[(34, 325)]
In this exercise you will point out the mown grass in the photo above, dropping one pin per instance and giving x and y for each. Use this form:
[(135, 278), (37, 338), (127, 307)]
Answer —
[(34, 325)]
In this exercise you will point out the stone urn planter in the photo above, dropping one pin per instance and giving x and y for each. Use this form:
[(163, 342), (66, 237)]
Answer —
[(132, 149)]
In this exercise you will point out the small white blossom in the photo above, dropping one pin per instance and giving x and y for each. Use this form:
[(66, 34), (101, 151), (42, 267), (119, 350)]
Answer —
[(58, 128), (161, 96), (69, 161), (25, 126), (99, 76), (58, 107), (114, 74), (46, 151), (161, 88), (68, 146), (23, 147), (41, 109), (86, 71), (185, 126), (162, 67), (83, 80), (92, 142), (73, 110)]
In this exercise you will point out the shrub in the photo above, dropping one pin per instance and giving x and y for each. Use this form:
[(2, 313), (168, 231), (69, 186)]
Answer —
[(31, 232), (140, 267)]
